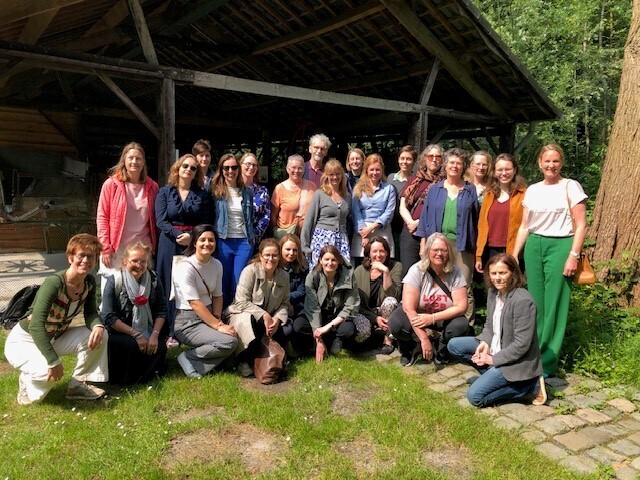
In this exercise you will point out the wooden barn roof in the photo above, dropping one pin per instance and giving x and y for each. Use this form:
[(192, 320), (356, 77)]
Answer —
[(345, 66)]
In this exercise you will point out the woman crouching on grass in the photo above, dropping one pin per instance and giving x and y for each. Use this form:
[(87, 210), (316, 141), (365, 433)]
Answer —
[(197, 283), (331, 302), (506, 353)]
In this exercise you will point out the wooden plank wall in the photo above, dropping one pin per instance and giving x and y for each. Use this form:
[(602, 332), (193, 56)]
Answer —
[(29, 129)]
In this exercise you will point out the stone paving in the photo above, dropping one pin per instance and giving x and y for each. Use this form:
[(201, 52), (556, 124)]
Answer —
[(584, 425)]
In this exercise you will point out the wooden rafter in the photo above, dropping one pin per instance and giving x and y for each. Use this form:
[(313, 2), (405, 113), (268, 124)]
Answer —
[(143, 32), (13, 10), (407, 17)]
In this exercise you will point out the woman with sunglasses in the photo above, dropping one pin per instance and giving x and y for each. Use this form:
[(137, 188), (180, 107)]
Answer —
[(250, 169), (412, 201), (261, 305), (233, 210), (180, 206)]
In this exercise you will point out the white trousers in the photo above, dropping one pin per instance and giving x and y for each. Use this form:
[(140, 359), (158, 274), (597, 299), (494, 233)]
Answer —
[(23, 354)]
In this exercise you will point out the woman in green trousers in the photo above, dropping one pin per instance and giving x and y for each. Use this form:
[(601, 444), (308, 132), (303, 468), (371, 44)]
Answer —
[(553, 227)]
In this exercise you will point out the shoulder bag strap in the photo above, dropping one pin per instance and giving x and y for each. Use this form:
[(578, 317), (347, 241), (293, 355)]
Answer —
[(440, 283), (573, 222), (201, 278)]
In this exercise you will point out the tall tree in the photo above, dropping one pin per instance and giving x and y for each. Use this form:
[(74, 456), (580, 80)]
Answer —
[(616, 218)]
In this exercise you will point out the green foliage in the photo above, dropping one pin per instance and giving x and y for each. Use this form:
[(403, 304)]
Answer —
[(602, 338), (574, 50)]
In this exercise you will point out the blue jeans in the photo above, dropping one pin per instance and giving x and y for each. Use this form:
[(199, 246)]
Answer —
[(491, 387), (234, 254)]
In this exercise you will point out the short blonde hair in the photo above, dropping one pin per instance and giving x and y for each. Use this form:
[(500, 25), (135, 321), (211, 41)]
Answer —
[(425, 263)]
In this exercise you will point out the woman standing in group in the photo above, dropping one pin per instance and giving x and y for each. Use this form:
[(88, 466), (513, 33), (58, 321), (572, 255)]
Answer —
[(412, 202), (434, 300), (261, 305), (379, 281), (125, 209), (451, 208), (134, 309), (181, 205), (501, 211), (202, 151), (331, 302), (407, 157), (291, 199), (250, 167), (479, 173), (374, 201), (506, 353), (355, 159), (326, 219), (197, 282), (553, 227), (233, 206), (35, 345)]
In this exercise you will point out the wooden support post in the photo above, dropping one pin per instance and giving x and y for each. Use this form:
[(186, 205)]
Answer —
[(474, 145), (439, 134), (490, 141), (266, 154), (508, 139), (167, 107), (525, 140)]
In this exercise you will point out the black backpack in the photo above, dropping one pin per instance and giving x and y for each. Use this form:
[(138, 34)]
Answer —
[(17, 307)]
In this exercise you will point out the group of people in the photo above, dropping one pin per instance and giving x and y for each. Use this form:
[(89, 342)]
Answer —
[(332, 259)]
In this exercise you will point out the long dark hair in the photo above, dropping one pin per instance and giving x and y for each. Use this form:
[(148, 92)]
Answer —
[(517, 279), (195, 234), (366, 262)]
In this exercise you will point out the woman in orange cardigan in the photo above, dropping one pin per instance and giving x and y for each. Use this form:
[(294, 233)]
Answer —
[(501, 211)]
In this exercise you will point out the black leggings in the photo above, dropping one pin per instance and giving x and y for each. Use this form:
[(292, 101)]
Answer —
[(303, 340)]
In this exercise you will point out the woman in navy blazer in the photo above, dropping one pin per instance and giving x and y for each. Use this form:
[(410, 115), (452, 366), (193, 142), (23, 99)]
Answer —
[(506, 353)]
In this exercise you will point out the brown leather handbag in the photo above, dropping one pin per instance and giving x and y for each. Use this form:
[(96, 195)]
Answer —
[(268, 367)]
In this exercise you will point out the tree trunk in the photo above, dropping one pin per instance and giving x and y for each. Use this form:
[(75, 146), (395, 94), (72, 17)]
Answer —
[(616, 218)]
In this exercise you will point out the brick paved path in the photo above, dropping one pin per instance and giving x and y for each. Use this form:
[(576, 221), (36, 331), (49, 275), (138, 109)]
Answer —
[(586, 426)]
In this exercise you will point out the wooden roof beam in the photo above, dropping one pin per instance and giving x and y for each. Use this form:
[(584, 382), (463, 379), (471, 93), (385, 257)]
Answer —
[(407, 17), (129, 103), (143, 32), (321, 28), (13, 10)]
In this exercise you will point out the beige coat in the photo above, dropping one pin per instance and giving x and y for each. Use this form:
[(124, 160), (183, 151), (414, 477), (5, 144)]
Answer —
[(249, 304)]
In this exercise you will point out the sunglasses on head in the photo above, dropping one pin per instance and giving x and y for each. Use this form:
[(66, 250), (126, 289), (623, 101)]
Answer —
[(186, 166), (233, 168)]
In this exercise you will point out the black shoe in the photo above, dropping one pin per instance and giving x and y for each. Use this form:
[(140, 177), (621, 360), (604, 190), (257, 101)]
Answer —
[(441, 358), (336, 346), (471, 380), (387, 349), (404, 361)]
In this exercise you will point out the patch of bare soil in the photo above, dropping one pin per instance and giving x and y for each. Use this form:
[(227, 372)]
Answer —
[(253, 385), (196, 413), (365, 456), (455, 462), (6, 368), (348, 400), (258, 451)]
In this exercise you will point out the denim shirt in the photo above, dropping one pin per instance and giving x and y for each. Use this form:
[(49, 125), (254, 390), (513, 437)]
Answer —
[(467, 215), (221, 212), (377, 208)]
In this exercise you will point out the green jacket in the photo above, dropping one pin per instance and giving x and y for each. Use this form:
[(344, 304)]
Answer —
[(364, 287), (345, 295), (50, 314)]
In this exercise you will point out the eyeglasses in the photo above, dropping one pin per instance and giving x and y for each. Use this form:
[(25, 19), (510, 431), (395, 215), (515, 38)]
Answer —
[(80, 256), (270, 256), (317, 147), (441, 251), (434, 157), (226, 168), (250, 165), (186, 166), (137, 261), (297, 169)]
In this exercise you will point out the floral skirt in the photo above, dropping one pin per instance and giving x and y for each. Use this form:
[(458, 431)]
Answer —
[(322, 238)]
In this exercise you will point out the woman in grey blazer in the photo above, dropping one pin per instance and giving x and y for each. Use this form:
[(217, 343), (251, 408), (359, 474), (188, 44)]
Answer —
[(506, 353)]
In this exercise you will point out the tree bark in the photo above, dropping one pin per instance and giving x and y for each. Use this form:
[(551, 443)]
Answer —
[(616, 218)]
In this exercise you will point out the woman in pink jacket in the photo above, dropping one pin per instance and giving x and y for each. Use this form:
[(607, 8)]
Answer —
[(126, 211)]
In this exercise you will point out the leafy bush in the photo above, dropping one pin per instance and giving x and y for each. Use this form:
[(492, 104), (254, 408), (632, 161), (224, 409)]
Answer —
[(602, 337)]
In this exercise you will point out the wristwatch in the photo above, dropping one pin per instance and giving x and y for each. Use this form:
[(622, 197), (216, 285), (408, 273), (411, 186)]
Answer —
[(574, 254)]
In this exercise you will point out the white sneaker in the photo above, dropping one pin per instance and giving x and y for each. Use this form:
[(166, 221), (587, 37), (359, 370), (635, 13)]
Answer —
[(187, 367), (23, 398)]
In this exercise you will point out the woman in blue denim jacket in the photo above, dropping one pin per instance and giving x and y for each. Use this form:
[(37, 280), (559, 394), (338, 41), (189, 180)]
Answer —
[(232, 205)]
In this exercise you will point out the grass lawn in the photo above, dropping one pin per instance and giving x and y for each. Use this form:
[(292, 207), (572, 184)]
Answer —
[(347, 418)]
